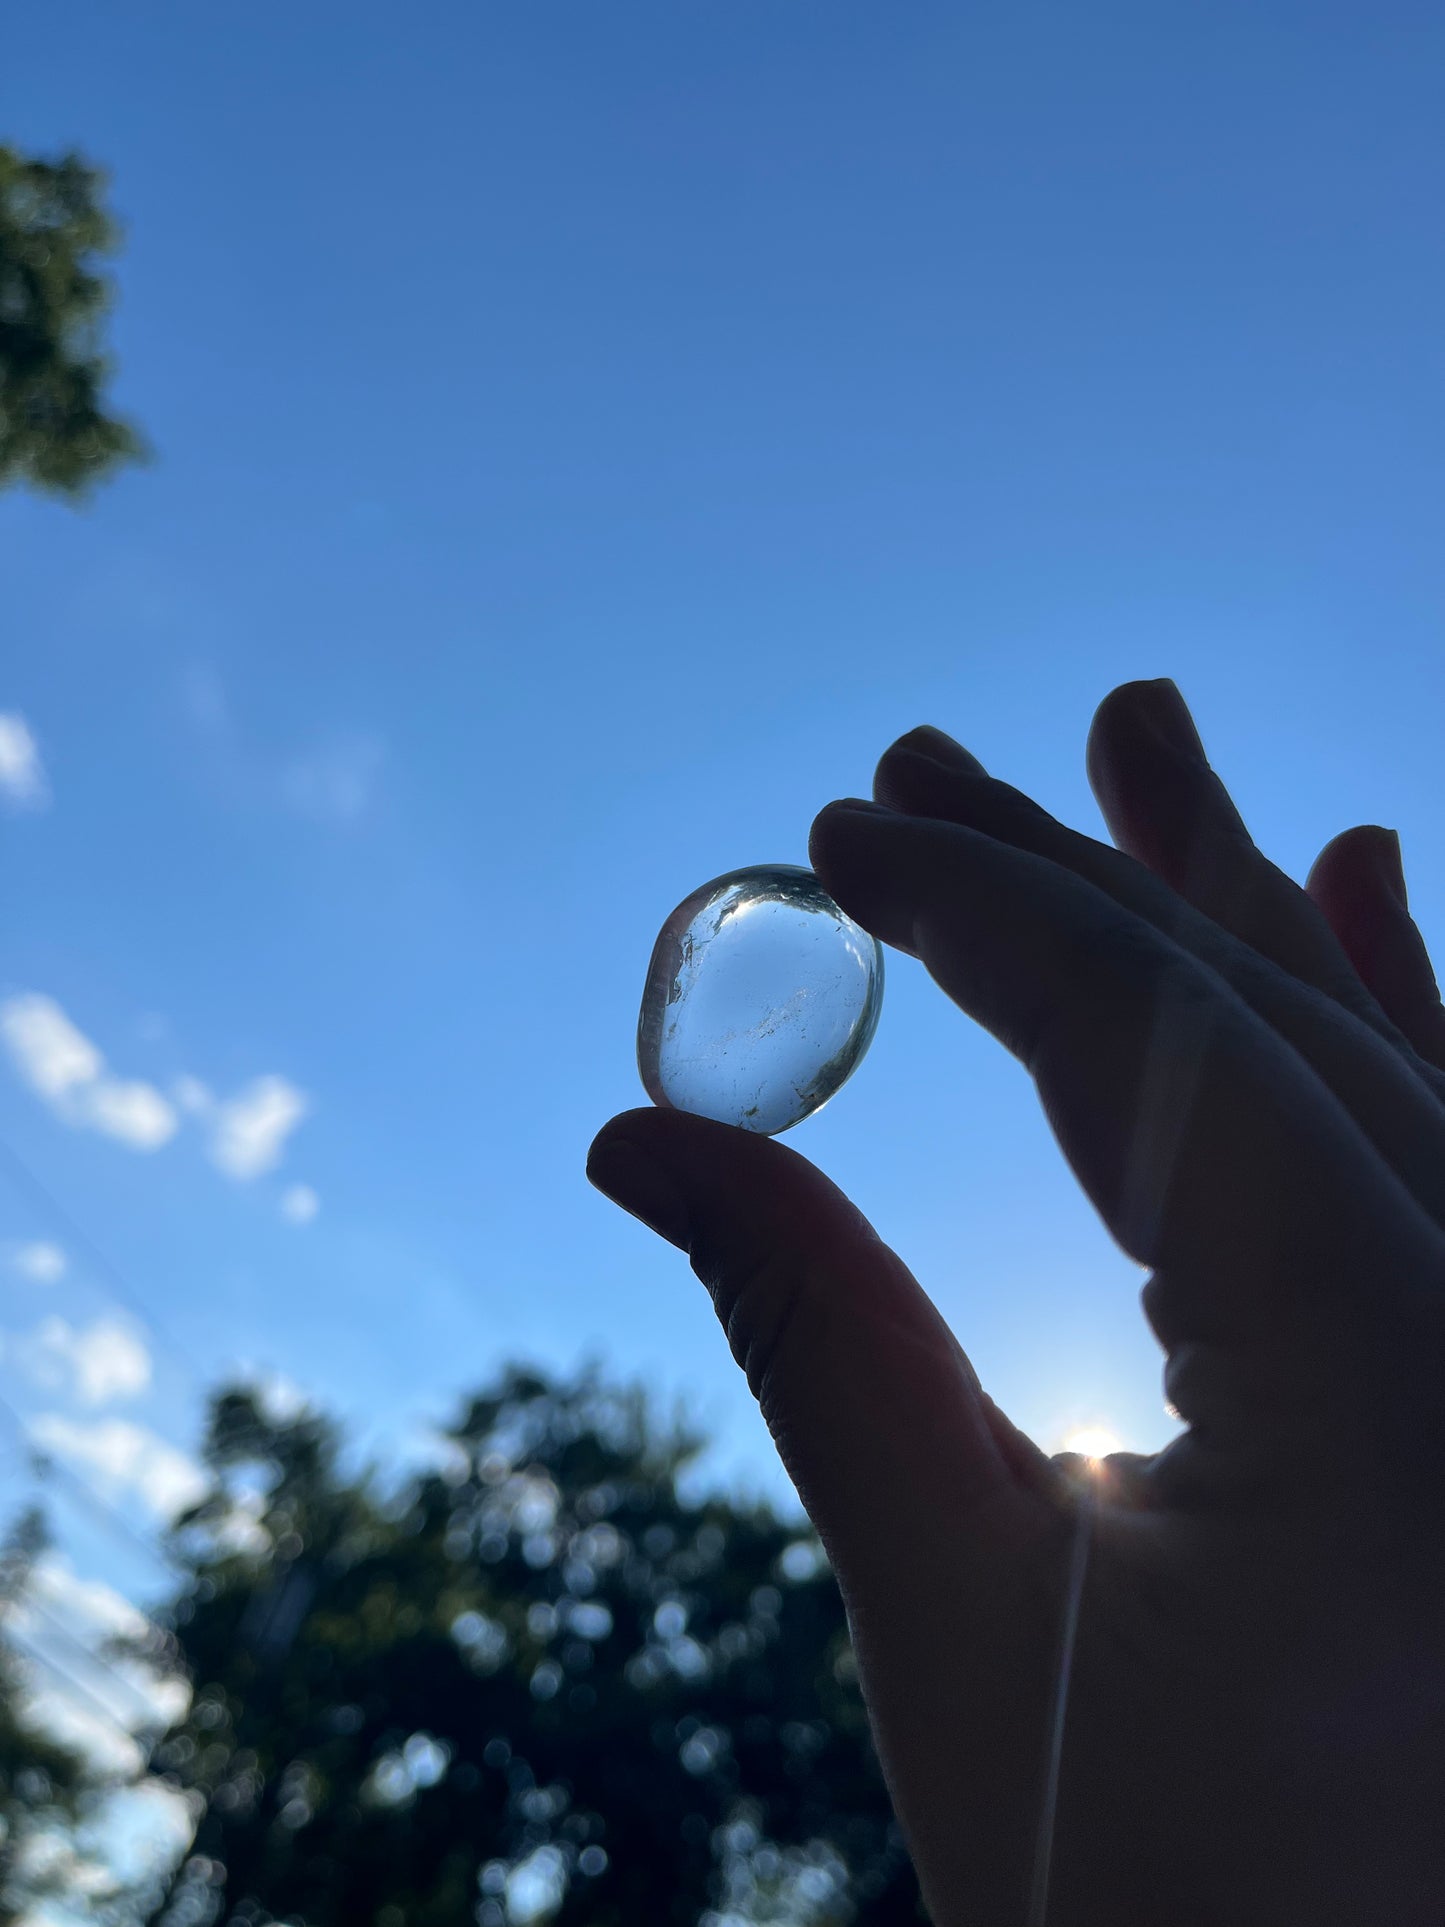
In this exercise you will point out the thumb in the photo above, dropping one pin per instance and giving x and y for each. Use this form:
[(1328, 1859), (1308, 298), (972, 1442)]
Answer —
[(878, 1416)]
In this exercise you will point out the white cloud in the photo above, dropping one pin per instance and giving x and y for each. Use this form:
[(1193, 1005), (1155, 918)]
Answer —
[(132, 1111), (49, 1052), (279, 1396), (125, 1458), (98, 1362), (299, 1204), (252, 1127), (23, 783), (89, 1607), (55, 1709), (41, 1262), (62, 1066), (335, 782), (240, 1528), (247, 1131), (142, 1830), (132, 1692), (192, 1096), (204, 696)]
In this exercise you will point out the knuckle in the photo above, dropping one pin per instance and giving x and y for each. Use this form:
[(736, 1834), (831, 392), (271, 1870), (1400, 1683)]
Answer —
[(760, 1307)]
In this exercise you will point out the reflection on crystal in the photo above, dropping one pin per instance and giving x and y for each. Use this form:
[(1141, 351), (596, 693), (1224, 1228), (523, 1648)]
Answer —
[(761, 998)]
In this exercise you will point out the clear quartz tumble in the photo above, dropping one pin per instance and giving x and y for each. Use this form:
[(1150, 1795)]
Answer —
[(762, 997)]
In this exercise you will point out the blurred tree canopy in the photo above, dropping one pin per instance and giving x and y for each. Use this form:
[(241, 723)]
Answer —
[(46, 1789), (534, 1682), (55, 432)]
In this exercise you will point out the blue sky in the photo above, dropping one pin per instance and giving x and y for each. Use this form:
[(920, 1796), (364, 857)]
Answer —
[(584, 438)]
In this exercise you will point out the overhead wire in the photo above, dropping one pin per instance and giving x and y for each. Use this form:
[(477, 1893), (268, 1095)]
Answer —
[(35, 1656), (26, 1602), (39, 1194), (45, 1465)]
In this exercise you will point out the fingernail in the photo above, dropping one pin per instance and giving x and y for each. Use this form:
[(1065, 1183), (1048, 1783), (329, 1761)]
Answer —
[(939, 748), (1164, 713), (858, 806), (624, 1172), (1389, 864)]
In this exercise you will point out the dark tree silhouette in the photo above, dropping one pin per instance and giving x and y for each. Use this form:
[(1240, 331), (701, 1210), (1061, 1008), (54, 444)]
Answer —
[(534, 1683), (45, 1789), (55, 431)]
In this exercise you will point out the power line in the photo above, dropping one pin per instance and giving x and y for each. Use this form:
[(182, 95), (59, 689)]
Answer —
[(74, 1685), (26, 1602), (44, 1199), (44, 1465)]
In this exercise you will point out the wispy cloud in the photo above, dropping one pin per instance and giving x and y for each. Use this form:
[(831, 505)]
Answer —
[(246, 1132), (299, 1204), (23, 782), (204, 697), (97, 1363), (125, 1458), (50, 1053), (134, 1112), (193, 1097), (133, 1695), (40, 1261), (101, 1737), (331, 780), (62, 1066), (335, 782), (280, 1397), (250, 1129), (90, 1607)]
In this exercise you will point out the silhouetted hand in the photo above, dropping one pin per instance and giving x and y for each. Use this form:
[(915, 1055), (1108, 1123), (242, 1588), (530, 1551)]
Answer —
[(1247, 1080)]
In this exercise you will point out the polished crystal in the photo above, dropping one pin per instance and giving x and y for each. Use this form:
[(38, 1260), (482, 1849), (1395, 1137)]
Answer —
[(761, 998)]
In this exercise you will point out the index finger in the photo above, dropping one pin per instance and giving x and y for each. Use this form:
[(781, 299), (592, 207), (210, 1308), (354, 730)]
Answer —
[(1212, 1151)]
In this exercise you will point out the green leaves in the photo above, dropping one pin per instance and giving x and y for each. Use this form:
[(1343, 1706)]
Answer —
[(530, 1679), (43, 1782), (55, 432)]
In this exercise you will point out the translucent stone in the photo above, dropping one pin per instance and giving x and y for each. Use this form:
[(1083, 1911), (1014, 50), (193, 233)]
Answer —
[(761, 998)]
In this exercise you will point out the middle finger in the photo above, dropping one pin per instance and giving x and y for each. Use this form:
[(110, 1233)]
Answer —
[(925, 774)]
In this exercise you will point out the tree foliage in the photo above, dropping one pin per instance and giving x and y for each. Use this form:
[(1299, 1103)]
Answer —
[(533, 1682), (45, 1787), (55, 431)]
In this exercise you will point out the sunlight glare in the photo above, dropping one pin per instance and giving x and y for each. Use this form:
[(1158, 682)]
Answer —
[(1093, 1442)]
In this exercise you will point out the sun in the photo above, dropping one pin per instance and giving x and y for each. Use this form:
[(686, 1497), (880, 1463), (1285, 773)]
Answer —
[(1093, 1442)]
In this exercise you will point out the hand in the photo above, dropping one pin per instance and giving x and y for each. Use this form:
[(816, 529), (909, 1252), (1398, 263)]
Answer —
[(1247, 1080)]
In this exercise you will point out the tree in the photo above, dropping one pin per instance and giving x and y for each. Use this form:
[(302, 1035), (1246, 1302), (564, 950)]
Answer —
[(535, 1682), (45, 1787), (55, 432)]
